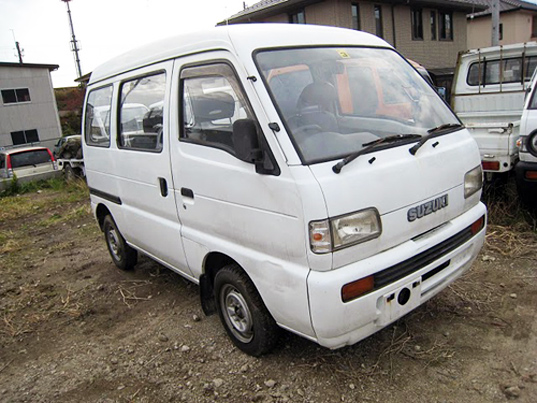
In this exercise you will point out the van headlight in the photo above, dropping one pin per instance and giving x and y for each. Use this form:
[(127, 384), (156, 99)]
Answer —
[(340, 232), (473, 181)]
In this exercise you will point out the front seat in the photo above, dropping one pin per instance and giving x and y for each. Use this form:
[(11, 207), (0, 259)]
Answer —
[(316, 106)]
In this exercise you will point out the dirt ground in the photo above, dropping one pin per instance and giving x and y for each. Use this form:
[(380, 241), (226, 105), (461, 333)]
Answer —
[(73, 328)]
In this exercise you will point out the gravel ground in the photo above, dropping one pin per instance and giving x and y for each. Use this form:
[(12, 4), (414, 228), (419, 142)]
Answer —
[(73, 328)]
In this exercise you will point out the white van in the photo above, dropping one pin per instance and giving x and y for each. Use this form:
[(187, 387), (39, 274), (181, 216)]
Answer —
[(526, 168), (488, 96), (306, 177)]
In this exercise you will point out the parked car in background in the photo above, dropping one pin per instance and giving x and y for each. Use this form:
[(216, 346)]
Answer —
[(488, 96), (69, 156), (64, 140), (27, 164)]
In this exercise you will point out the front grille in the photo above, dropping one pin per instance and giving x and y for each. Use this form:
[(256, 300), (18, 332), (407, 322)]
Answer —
[(415, 263)]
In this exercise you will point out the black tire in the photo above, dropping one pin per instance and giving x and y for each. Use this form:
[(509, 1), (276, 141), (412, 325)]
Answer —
[(242, 312), (122, 254)]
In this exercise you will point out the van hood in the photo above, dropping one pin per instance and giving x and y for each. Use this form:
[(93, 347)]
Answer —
[(393, 181)]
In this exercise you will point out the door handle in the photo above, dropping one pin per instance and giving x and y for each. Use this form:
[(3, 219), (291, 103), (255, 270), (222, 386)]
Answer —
[(163, 187), (187, 193)]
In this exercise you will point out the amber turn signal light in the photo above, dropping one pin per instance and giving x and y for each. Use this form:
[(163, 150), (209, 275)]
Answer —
[(357, 288)]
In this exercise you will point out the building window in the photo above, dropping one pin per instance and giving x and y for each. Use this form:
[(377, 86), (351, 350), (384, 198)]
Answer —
[(355, 16), (15, 96), (433, 26), (500, 33), (378, 22), (24, 137), (534, 27), (298, 17), (417, 24), (446, 26)]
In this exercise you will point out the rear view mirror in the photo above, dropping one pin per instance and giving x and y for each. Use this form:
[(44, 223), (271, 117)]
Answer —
[(245, 140)]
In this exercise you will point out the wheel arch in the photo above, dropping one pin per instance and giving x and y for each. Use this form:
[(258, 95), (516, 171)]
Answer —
[(100, 213), (213, 262)]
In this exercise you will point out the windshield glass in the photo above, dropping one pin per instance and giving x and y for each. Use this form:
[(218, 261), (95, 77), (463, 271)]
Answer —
[(335, 100)]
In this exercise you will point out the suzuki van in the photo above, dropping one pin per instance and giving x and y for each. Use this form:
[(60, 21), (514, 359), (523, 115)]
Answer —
[(307, 178)]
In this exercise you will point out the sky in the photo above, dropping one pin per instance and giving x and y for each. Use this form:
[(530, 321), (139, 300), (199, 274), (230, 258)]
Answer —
[(103, 28)]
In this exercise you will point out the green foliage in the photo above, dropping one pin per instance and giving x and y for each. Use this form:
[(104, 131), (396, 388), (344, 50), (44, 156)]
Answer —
[(77, 188)]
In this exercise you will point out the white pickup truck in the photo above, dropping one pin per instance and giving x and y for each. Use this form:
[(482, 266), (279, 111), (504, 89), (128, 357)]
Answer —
[(488, 94), (68, 153)]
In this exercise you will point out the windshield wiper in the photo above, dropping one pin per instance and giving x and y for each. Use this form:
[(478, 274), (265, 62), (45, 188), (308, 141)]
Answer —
[(432, 133), (368, 146)]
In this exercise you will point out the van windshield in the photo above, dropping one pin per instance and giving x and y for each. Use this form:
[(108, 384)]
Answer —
[(334, 100)]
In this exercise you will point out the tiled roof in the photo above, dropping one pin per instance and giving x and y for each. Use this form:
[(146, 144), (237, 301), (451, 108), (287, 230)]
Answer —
[(505, 5), (268, 4)]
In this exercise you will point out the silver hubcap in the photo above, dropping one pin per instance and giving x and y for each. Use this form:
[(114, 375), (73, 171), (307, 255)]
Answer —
[(113, 241), (237, 314)]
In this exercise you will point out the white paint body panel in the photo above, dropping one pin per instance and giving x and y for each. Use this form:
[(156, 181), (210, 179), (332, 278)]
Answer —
[(261, 221)]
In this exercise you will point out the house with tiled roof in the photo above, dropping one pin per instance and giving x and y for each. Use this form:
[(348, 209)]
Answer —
[(430, 32), (518, 23)]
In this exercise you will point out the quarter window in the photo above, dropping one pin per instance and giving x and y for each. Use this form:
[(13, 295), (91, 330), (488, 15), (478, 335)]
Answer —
[(97, 119), (15, 96), (213, 101), (141, 113), (24, 137)]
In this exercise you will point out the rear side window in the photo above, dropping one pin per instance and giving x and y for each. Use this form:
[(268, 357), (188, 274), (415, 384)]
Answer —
[(213, 100), (141, 113), (97, 119), (2, 161), (31, 157)]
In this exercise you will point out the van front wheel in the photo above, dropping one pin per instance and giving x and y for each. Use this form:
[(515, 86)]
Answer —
[(243, 313), (122, 254)]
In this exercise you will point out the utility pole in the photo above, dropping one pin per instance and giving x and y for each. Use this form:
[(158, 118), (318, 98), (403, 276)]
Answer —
[(495, 8), (74, 43), (19, 50)]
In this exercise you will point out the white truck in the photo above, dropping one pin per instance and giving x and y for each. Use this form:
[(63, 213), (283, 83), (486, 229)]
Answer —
[(68, 153), (488, 96), (526, 168)]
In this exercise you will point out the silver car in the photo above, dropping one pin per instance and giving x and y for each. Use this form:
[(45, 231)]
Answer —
[(27, 163)]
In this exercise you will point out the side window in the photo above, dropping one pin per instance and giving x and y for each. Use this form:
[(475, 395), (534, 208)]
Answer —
[(2, 161), (213, 101), (97, 119), (141, 113)]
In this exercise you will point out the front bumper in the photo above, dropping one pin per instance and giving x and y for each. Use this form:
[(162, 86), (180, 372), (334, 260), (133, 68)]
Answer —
[(432, 263)]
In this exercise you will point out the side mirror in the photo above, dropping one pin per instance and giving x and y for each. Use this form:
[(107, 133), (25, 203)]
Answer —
[(441, 91), (245, 141)]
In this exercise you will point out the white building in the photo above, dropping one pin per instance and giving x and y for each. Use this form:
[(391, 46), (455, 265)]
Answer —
[(28, 111)]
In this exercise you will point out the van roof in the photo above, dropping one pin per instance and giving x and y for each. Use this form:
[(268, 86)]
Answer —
[(241, 39)]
